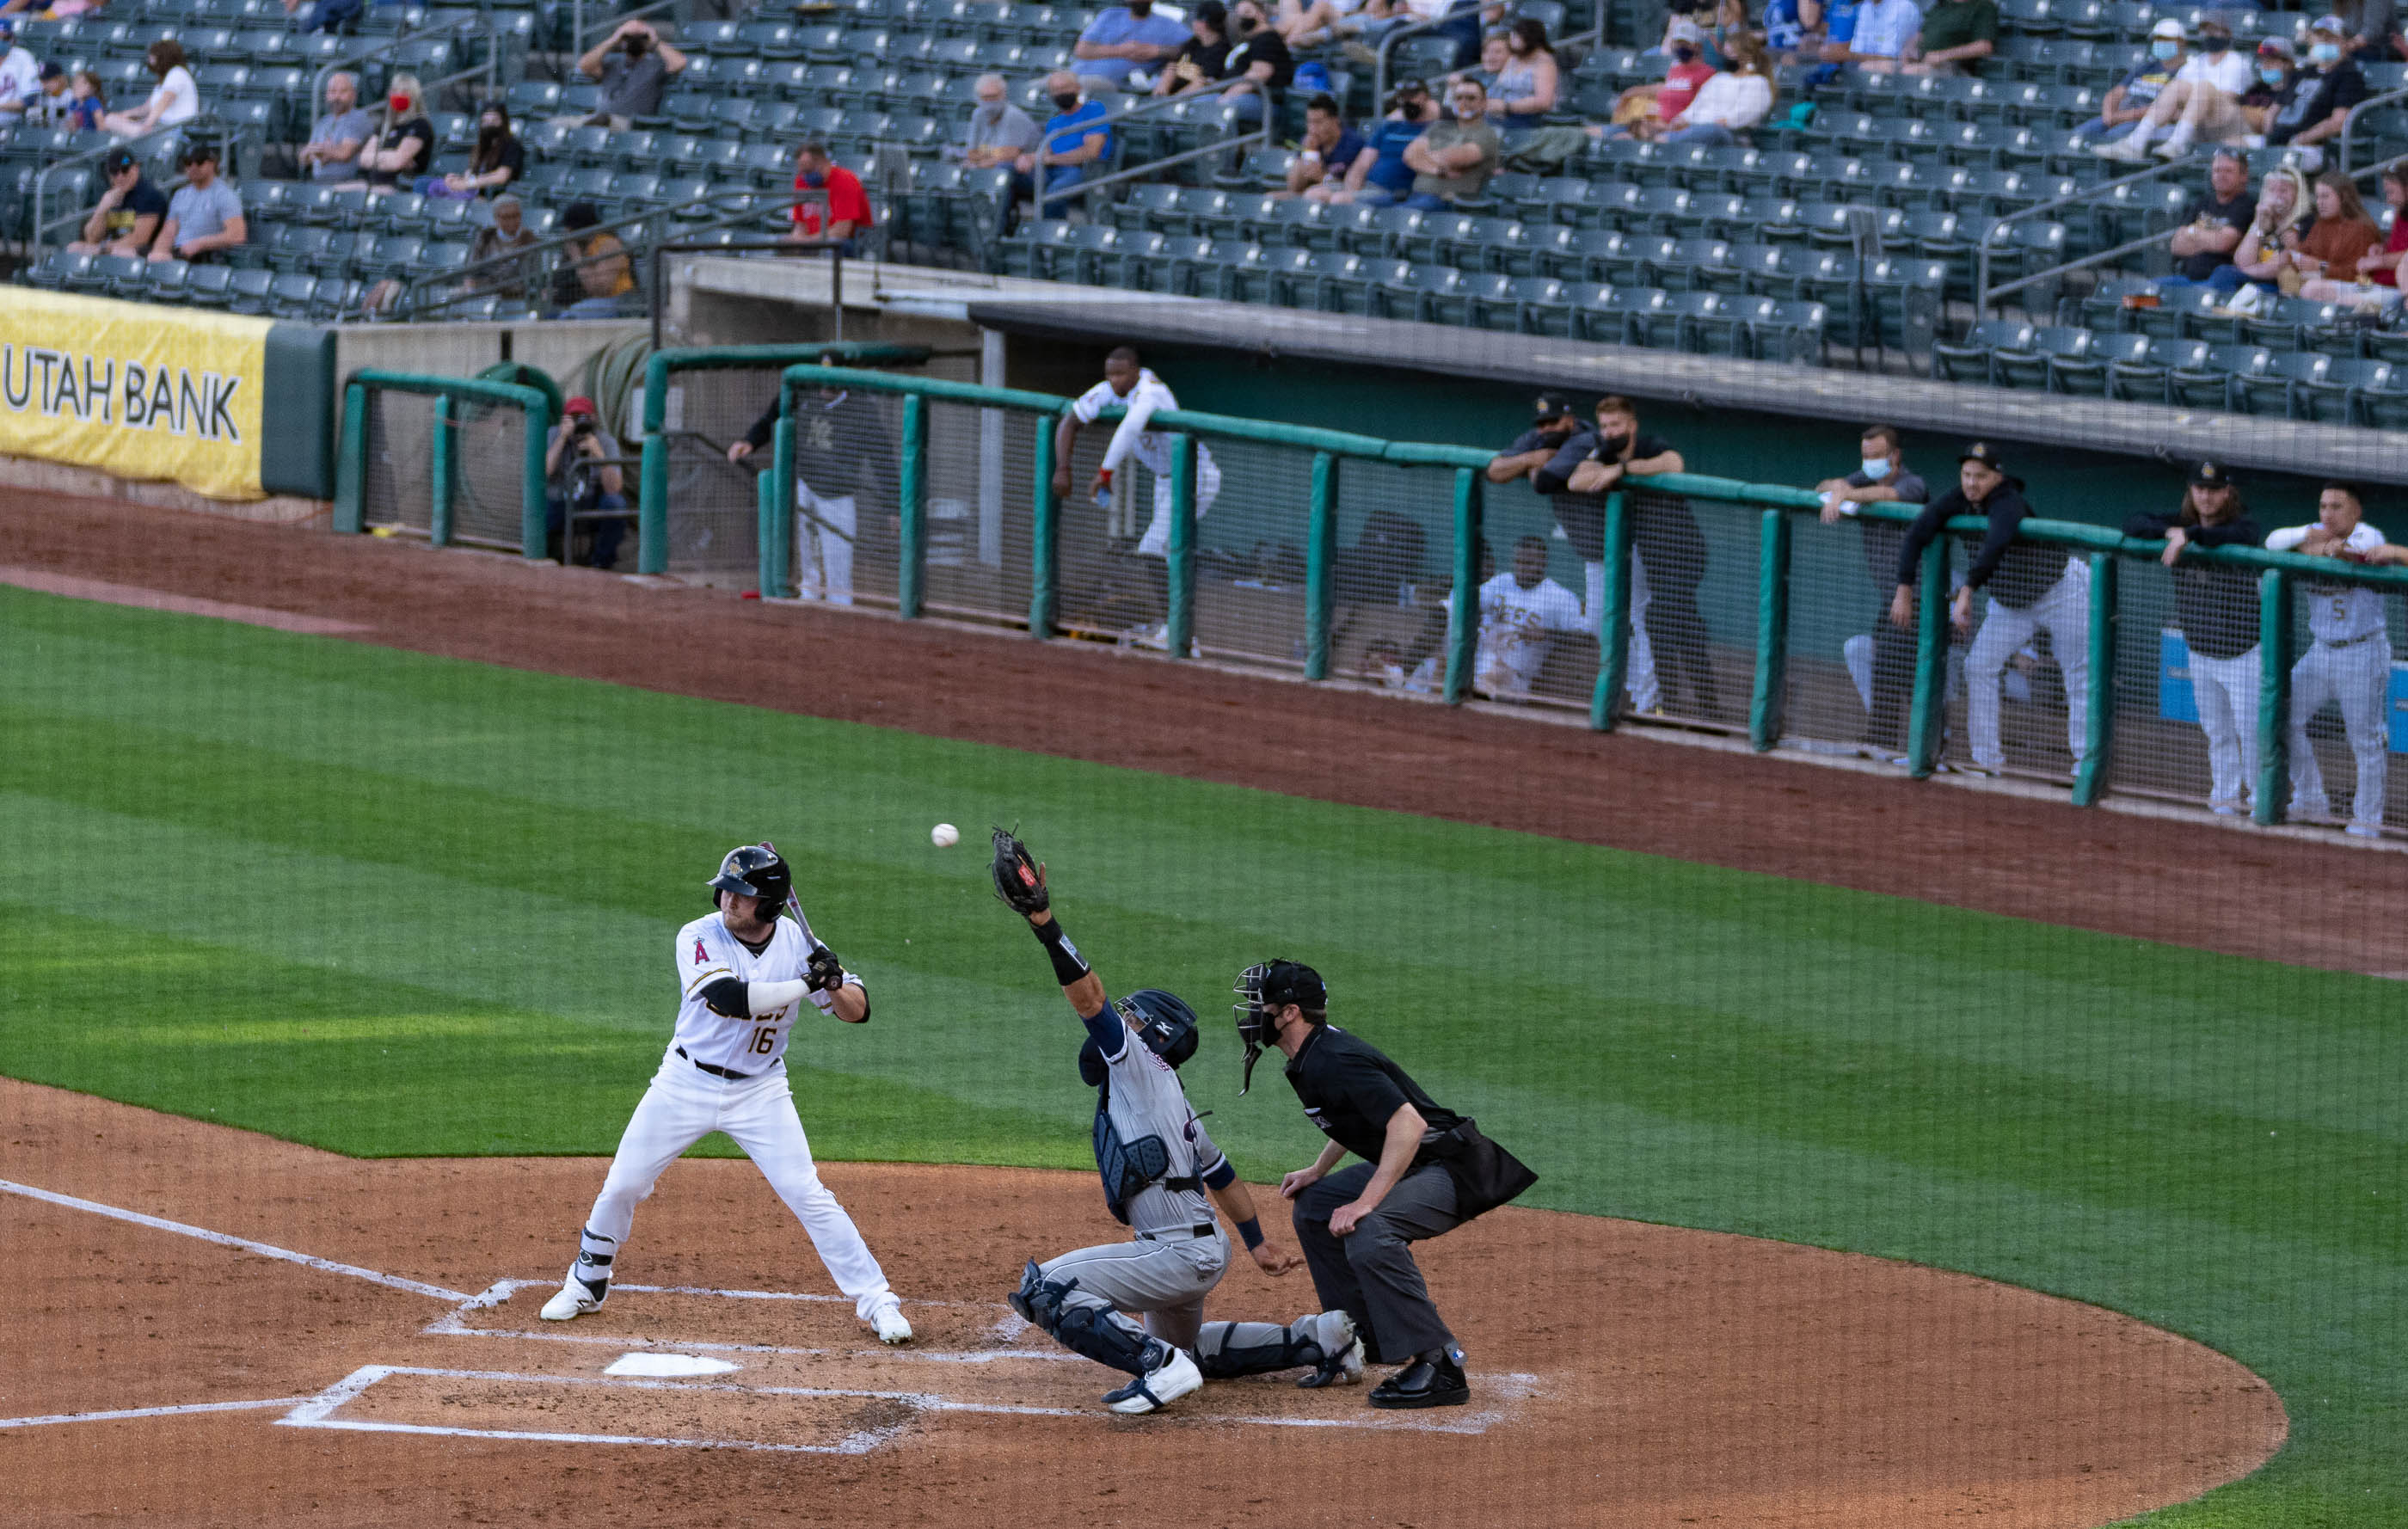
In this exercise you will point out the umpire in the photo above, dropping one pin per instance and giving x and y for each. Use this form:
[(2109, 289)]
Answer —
[(1426, 1171)]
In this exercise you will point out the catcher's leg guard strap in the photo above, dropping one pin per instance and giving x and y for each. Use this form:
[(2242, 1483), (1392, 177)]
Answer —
[(1082, 1324), (1226, 1350)]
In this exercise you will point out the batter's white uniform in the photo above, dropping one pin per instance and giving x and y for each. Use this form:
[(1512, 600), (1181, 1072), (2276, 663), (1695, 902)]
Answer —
[(1517, 628), (1152, 448), (2349, 662), (687, 1102)]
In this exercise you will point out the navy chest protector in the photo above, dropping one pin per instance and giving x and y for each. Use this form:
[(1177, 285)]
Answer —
[(1129, 1167)]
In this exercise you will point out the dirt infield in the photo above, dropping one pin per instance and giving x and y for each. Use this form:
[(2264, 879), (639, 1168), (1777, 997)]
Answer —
[(2161, 879), (399, 1376)]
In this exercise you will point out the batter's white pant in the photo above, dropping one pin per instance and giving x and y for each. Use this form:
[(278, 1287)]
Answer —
[(1639, 672), (685, 1104), (827, 576), (2358, 676), (1163, 1282), (2064, 611), (1157, 540), (2226, 691)]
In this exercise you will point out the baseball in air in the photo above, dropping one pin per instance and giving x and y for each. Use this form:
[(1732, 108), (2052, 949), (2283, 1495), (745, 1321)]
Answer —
[(944, 835)]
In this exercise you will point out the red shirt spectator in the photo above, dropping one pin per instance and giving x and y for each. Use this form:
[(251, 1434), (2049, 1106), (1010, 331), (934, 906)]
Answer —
[(847, 205), (1681, 82)]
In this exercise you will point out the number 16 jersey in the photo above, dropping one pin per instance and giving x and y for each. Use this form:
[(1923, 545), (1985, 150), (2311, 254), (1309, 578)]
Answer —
[(705, 952)]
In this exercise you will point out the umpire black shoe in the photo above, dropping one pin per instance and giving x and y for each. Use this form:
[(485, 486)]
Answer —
[(1425, 1382)]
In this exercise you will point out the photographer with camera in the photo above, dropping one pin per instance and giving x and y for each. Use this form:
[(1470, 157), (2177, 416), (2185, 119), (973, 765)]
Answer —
[(633, 65), (576, 442)]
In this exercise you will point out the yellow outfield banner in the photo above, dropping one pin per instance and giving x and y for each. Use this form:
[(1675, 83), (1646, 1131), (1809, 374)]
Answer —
[(139, 390)]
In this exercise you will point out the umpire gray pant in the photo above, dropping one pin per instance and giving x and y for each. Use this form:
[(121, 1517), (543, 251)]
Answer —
[(1164, 1281), (1369, 1273)]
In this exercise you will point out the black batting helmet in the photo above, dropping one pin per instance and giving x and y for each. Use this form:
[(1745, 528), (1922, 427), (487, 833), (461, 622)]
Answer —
[(1163, 1021), (755, 870)]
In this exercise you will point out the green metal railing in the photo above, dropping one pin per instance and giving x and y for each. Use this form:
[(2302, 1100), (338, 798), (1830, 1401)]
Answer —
[(350, 469)]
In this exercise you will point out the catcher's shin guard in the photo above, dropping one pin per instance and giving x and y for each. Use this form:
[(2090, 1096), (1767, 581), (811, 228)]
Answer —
[(1089, 1327)]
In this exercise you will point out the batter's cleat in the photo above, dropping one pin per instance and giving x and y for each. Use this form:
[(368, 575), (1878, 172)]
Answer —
[(1334, 1333), (576, 1298), (1172, 1377), (892, 1328), (1424, 1383)]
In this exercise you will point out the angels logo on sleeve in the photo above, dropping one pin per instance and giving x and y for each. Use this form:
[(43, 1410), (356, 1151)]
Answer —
[(701, 956)]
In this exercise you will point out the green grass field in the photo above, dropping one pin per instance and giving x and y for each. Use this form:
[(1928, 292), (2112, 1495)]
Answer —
[(392, 904)]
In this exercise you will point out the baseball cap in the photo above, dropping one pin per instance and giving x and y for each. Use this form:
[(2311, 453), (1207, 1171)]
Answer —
[(2279, 47), (579, 405), (2333, 24), (52, 70), (1293, 982), (1985, 453), (197, 150), (1551, 406), (2168, 27), (119, 161), (2211, 474)]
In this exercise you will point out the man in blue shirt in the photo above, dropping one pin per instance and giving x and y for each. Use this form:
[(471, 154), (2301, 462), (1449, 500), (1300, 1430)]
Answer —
[(1074, 139), (1390, 180), (1125, 37)]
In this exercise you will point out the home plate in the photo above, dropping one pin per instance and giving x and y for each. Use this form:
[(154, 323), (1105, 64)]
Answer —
[(666, 1366)]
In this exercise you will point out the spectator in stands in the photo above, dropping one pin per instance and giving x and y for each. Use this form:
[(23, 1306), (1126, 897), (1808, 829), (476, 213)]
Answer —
[(1671, 560), (999, 132), (205, 216), (2337, 238), (1333, 155), (2208, 98), (1641, 111), (322, 15), (506, 234), (1554, 425), (2217, 609), (2129, 98), (1310, 23), (1527, 88), (1732, 103), (2315, 105), (493, 164), (2032, 588), (577, 479), (634, 65), (403, 150), (1203, 60), (1495, 54), (2203, 248), (2265, 250), (333, 151), (1881, 662), (54, 104), (21, 76), (1839, 32), (2373, 27), (128, 216), (1259, 65), (597, 279), (1521, 612), (2376, 282), (1885, 30), (1792, 30), (842, 213), (1956, 36), (1455, 157), (1120, 39), (1387, 179), (1076, 136), (174, 100), (85, 106)]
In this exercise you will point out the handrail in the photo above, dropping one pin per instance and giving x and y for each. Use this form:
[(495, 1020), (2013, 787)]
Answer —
[(1415, 29), (1113, 121), (409, 302), (1983, 292), (2349, 123)]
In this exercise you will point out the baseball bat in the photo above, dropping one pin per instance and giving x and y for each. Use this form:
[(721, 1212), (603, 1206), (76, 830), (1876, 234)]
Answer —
[(794, 907)]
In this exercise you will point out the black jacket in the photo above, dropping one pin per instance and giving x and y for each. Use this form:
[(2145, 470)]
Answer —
[(841, 444), (2216, 606), (2016, 573)]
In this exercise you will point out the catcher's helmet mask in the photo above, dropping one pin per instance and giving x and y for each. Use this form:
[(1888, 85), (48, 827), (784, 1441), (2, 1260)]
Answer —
[(755, 870), (1263, 989), (1163, 1021)]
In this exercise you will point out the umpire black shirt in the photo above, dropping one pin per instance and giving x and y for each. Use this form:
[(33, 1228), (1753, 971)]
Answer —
[(1350, 1090)]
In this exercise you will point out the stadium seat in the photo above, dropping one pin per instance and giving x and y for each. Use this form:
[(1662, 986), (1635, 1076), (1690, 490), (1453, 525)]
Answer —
[(2032, 366), (2338, 396), (2210, 381), (2274, 391), (1968, 361), (1613, 314), (1403, 289), (2087, 374)]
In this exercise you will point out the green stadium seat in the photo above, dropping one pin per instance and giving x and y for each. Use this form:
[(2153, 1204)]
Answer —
[(2274, 391), (2209, 382), (2032, 364)]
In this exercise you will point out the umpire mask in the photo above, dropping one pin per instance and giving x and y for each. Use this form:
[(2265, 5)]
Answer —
[(1265, 988)]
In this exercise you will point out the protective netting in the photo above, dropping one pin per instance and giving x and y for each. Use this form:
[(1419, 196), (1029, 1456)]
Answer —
[(979, 505), (1396, 535), (487, 451), (2348, 695), (1250, 551), (2187, 675), (2018, 680), (1849, 685), (395, 485)]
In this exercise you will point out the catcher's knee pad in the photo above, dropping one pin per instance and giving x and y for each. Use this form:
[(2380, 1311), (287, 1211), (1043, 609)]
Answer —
[(1096, 1331)]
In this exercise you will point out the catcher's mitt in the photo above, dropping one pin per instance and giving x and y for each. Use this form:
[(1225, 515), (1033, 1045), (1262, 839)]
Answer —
[(823, 972), (1019, 881)]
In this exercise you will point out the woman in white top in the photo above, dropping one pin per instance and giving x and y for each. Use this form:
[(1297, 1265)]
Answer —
[(1730, 103), (1525, 89), (177, 99)]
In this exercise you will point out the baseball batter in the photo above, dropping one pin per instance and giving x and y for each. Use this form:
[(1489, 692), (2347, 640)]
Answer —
[(1157, 1167), (744, 976), (2349, 662)]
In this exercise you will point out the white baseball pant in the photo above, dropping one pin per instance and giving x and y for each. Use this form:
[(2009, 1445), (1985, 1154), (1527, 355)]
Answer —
[(2358, 676), (684, 1104), (1157, 540), (1163, 1282), (827, 576), (2226, 691), (2065, 612), (1639, 671)]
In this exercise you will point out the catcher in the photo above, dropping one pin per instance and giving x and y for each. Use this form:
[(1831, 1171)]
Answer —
[(1157, 1167)]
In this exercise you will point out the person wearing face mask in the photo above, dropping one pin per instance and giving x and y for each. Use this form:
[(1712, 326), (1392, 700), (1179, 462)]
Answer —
[(1203, 59), (634, 65), (2208, 98), (336, 138), (840, 211), (2372, 24), (2315, 105), (999, 132), (1521, 614), (1118, 42), (495, 161), (1671, 553), (1259, 63), (1641, 111), (1387, 177), (1076, 136), (1882, 661), (402, 150), (1456, 157)]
